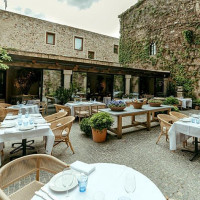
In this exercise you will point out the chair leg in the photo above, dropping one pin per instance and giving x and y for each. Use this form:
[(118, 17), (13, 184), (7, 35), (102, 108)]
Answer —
[(159, 137), (71, 147)]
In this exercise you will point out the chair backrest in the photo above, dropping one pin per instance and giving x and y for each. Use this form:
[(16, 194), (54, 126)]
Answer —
[(166, 120), (178, 114), (5, 105), (12, 111), (62, 124), (62, 107), (2, 113), (24, 166), (56, 116)]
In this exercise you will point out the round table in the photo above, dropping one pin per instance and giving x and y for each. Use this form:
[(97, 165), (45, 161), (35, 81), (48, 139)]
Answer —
[(32, 109), (109, 179)]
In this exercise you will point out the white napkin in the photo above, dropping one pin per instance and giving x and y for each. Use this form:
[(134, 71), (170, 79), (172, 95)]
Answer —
[(82, 167), (39, 121)]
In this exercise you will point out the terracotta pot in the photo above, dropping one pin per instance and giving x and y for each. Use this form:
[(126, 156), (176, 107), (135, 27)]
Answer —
[(117, 108), (99, 135), (155, 104), (137, 105)]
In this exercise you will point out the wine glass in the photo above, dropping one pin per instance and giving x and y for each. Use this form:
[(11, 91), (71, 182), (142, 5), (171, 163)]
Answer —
[(130, 183), (66, 173)]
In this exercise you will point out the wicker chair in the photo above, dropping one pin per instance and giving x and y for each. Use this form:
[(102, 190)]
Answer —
[(95, 109), (56, 116), (23, 167), (5, 105), (82, 111), (61, 107), (61, 129), (178, 115), (2, 114), (166, 122), (42, 107), (11, 111)]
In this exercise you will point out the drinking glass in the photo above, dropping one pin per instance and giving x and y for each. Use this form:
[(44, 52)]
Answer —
[(82, 182), (19, 122), (31, 121), (26, 114), (24, 102), (66, 173), (130, 183), (25, 122)]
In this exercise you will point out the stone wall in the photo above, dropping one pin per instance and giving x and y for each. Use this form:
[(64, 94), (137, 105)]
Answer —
[(174, 26), (29, 34)]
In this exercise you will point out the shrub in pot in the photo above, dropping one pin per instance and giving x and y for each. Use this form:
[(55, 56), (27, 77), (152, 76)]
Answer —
[(171, 101), (99, 123), (85, 126)]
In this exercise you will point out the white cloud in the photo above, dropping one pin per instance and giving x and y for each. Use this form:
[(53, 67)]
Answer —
[(100, 17)]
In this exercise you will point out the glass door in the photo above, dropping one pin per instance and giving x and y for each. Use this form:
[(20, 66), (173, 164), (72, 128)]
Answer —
[(2, 84)]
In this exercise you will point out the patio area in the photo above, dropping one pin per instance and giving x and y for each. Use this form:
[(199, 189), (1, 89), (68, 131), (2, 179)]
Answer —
[(173, 173)]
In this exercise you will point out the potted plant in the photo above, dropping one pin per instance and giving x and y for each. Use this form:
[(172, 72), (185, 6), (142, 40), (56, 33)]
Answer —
[(63, 95), (171, 101), (137, 104), (155, 102), (197, 104), (116, 105), (85, 126), (99, 123)]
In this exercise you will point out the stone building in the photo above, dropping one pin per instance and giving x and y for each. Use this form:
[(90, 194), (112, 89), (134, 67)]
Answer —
[(47, 55), (163, 35)]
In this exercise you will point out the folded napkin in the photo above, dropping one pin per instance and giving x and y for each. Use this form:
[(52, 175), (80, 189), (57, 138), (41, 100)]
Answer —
[(40, 121), (82, 167)]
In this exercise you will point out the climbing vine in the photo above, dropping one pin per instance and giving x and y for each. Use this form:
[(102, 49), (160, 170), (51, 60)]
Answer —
[(4, 57)]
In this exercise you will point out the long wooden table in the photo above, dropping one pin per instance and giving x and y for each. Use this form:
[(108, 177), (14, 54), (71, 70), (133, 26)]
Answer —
[(130, 111)]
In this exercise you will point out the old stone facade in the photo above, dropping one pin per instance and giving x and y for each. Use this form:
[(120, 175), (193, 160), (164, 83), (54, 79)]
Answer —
[(29, 34), (163, 35)]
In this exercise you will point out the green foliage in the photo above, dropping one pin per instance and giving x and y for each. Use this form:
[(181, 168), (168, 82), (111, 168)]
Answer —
[(171, 89), (63, 94), (188, 36), (85, 126), (154, 101), (197, 102), (101, 120), (4, 57), (171, 101), (175, 108)]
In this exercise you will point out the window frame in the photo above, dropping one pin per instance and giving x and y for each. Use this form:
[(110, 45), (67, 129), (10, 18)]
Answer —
[(115, 45), (153, 49), (54, 38), (93, 54), (76, 37)]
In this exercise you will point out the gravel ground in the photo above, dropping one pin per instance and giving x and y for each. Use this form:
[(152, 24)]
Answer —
[(172, 172)]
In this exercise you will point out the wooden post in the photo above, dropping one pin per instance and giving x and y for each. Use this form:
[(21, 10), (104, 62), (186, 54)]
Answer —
[(119, 127)]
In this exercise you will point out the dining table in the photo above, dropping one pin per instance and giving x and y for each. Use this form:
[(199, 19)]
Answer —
[(108, 179), (132, 112), (82, 104), (183, 129), (10, 131), (30, 108), (186, 102)]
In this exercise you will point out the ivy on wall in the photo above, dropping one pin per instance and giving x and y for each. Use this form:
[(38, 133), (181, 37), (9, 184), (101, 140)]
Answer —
[(4, 57)]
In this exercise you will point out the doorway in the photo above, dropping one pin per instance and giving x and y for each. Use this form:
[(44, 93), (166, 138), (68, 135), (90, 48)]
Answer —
[(2, 84)]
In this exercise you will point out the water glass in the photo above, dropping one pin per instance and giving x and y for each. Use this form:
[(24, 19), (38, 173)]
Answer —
[(19, 121), (198, 121), (130, 183), (25, 122), (31, 121), (193, 120), (26, 114), (82, 182)]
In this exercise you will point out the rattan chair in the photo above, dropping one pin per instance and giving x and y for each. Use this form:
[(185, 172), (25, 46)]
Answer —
[(11, 111), (178, 114), (62, 107), (56, 116), (82, 111), (23, 167), (95, 109), (2, 114), (42, 107), (166, 122), (5, 105), (61, 129)]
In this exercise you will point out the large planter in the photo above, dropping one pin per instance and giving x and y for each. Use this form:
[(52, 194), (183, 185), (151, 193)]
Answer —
[(99, 135), (117, 108), (137, 105), (155, 104)]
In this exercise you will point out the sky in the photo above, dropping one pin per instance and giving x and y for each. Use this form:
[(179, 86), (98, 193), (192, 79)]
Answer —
[(100, 16)]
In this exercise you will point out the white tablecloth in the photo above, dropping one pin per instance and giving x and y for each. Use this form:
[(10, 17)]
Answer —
[(109, 179), (181, 131), (186, 103), (32, 109), (82, 104), (14, 134), (106, 100)]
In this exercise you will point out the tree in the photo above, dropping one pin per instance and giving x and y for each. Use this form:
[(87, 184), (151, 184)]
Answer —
[(4, 57)]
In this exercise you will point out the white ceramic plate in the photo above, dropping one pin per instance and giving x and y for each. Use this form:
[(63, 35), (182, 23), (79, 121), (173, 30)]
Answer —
[(56, 183), (25, 128), (195, 116), (186, 120), (11, 117), (8, 125)]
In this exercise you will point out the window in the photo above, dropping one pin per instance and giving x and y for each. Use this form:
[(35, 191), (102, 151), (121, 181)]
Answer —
[(91, 54), (116, 49), (50, 38), (153, 49), (78, 43)]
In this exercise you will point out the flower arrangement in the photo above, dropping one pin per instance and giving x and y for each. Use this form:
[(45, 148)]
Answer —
[(115, 103), (155, 101)]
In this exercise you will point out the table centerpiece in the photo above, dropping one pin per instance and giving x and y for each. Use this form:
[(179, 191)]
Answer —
[(117, 105), (155, 102), (137, 104)]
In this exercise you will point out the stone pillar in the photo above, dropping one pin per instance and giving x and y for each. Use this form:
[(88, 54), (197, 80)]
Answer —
[(67, 78), (127, 86), (135, 84), (166, 81)]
